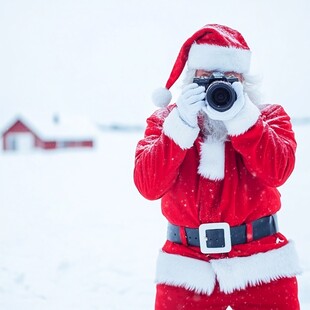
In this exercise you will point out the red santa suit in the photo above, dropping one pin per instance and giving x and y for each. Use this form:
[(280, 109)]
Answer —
[(201, 178)]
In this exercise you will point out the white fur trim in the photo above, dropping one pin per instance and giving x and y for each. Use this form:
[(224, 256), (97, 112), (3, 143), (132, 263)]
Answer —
[(244, 120), (182, 134), (219, 58), (231, 273), (192, 274), (212, 159), (161, 97), (239, 272)]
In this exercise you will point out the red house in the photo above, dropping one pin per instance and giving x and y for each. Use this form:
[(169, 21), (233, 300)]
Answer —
[(23, 136)]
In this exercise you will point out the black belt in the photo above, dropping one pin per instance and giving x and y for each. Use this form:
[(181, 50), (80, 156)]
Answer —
[(219, 237)]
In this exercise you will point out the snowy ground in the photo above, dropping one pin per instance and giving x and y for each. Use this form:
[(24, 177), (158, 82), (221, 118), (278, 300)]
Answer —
[(75, 233)]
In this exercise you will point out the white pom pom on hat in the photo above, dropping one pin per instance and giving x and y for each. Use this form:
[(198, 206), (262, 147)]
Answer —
[(161, 97), (212, 48)]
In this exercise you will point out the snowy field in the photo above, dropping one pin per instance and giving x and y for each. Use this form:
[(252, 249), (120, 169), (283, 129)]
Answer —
[(76, 235)]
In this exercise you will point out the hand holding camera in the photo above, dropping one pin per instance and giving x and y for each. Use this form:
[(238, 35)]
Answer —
[(224, 96), (190, 103)]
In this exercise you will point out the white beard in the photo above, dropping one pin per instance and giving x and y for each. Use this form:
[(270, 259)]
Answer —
[(212, 152), (213, 129)]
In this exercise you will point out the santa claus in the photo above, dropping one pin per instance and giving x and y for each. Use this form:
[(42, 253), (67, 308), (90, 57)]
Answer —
[(215, 159)]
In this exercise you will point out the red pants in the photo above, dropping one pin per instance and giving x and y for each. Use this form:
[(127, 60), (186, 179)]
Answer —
[(277, 295)]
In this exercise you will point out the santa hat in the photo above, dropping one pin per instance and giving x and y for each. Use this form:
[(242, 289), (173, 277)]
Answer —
[(212, 48)]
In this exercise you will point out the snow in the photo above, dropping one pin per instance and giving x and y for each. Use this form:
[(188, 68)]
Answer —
[(76, 234)]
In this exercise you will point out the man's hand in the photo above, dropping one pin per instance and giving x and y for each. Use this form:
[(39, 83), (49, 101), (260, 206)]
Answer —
[(190, 103)]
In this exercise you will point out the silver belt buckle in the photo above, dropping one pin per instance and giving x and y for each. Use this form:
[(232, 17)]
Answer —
[(217, 234)]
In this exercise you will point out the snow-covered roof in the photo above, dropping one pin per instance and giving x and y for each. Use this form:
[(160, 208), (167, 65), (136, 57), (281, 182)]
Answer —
[(55, 127)]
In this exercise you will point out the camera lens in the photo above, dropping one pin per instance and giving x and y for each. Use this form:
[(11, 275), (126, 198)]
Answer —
[(220, 96)]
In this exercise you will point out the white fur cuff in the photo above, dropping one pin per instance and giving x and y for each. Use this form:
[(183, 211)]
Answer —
[(244, 120), (182, 134)]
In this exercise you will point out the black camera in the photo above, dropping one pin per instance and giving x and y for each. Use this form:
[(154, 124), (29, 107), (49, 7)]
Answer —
[(219, 93)]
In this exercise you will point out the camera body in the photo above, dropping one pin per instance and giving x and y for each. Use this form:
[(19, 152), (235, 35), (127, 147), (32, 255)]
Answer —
[(219, 93)]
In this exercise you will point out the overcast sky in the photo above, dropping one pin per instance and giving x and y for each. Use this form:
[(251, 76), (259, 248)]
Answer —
[(103, 58)]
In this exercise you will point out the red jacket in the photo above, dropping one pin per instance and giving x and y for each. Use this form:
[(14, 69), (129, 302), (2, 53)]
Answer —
[(256, 163)]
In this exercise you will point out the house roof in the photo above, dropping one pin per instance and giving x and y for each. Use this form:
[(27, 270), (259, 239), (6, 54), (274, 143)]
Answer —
[(55, 128)]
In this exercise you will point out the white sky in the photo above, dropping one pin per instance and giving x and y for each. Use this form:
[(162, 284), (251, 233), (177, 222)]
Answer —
[(103, 59)]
